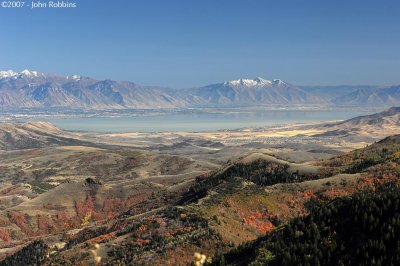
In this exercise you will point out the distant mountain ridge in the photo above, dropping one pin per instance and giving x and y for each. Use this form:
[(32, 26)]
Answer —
[(34, 89), (385, 96), (256, 91)]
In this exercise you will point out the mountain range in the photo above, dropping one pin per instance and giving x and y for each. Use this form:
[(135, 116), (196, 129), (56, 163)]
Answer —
[(33, 89)]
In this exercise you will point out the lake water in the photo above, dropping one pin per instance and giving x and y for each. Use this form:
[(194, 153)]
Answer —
[(195, 122)]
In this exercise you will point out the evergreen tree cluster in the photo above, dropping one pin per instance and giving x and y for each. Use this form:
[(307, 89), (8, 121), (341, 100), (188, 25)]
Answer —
[(33, 254), (360, 230)]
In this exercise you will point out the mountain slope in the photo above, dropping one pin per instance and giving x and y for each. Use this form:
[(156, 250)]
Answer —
[(357, 230), (255, 195), (257, 91), (366, 127), (385, 118), (35, 89), (32, 135), (387, 96), (329, 93)]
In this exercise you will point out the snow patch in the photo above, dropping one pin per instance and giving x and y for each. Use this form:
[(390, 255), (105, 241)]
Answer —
[(75, 77), (278, 82)]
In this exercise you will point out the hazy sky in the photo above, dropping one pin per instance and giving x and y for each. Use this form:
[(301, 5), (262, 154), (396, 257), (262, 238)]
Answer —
[(191, 43)]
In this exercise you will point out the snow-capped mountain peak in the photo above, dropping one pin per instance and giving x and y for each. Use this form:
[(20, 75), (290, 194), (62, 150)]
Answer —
[(8, 74), (29, 73), (25, 73), (258, 81)]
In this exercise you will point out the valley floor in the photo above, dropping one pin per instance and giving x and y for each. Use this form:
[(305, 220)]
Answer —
[(157, 198)]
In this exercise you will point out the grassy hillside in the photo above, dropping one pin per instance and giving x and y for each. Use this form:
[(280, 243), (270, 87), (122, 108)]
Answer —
[(257, 210), (385, 151), (17, 136)]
